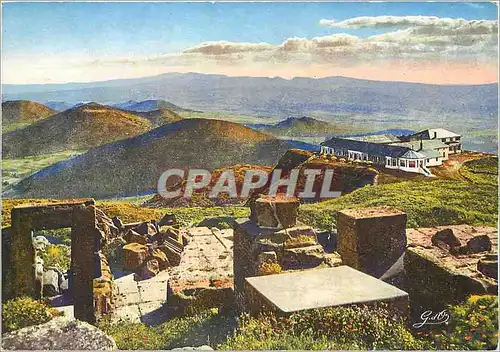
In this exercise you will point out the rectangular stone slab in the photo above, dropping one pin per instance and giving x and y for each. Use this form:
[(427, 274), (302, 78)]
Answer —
[(321, 288)]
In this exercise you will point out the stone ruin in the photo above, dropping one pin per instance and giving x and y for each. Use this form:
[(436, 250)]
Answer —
[(136, 270), (100, 246), (271, 241)]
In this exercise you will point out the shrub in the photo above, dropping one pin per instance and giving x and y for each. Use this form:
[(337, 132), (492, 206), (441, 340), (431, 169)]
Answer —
[(57, 255), (269, 268), (473, 325), (21, 312), (330, 328)]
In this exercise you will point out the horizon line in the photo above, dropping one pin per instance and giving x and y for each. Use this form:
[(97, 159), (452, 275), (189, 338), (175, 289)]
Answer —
[(238, 76)]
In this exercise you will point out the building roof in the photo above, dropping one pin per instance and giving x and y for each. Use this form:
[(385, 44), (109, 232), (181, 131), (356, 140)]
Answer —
[(429, 134), (379, 138), (369, 148), (430, 147)]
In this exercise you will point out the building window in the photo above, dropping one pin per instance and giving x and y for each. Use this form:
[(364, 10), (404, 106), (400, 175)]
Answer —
[(412, 164), (394, 162), (437, 159), (402, 163)]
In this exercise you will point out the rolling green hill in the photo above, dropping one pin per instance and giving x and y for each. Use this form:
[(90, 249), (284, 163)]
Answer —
[(83, 127), (134, 165), (18, 113)]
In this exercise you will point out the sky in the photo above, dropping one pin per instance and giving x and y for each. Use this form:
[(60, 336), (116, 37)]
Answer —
[(441, 43)]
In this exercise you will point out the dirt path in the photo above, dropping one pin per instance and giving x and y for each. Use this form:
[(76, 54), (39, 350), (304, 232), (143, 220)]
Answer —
[(450, 170)]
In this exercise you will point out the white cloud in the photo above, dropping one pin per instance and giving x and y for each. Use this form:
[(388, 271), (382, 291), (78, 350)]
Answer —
[(419, 24)]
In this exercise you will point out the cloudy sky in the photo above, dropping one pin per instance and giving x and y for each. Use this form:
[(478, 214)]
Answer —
[(442, 43)]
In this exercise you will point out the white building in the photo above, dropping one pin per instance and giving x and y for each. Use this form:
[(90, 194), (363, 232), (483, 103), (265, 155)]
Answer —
[(450, 139), (390, 156)]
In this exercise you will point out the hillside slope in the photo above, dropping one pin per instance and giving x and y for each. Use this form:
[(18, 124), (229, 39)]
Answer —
[(149, 105), (23, 112), (82, 127), (134, 165), (300, 127), (159, 117)]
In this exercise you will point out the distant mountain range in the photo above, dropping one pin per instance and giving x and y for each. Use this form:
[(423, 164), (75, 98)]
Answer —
[(298, 127), (134, 165), (276, 96)]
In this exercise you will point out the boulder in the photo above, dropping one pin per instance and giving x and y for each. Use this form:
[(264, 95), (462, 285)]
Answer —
[(275, 212), (147, 228), (267, 257), (59, 334), (172, 252), (161, 258), (173, 233), (134, 255), (117, 222), (479, 244), (40, 243), (489, 266), (447, 237), (50, 283), (133, 237), (114, 251), (150, 269), (64, 286), (167, 220), (302, 258)]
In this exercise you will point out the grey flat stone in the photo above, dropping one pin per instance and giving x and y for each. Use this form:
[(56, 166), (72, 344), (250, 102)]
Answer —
[(321, 288)]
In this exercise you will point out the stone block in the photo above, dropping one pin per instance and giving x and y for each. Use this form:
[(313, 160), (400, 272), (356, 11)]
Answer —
[(302, 258), (377, 235), (133, 237), (329, 287), (275, 212), (134, 255)]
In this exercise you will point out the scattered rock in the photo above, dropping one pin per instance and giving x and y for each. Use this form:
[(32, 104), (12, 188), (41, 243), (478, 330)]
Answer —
[(40, 243), (167, 220), (302, 258), (117, 222), (479, 244), (133, 237), (134, 255), (489, 266), (50, 283), (161, 258), (447, 237), (147, 228), (267, 257), (59, 334), (150, 269), (64, 286)]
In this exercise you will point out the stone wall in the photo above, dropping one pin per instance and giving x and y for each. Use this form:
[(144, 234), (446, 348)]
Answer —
[(446, 264), (264, 251)]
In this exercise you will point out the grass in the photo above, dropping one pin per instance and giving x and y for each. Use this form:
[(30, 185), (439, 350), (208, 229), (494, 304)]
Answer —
[(205, 328), (481, 171), (14, 170), (427, 203)]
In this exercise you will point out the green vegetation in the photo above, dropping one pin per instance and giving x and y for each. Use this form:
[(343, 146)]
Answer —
[(473, 325), (21, 312), (482, 171), (57, 255), (14, 170), (205, 328), (350, 328), (427, 203)]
